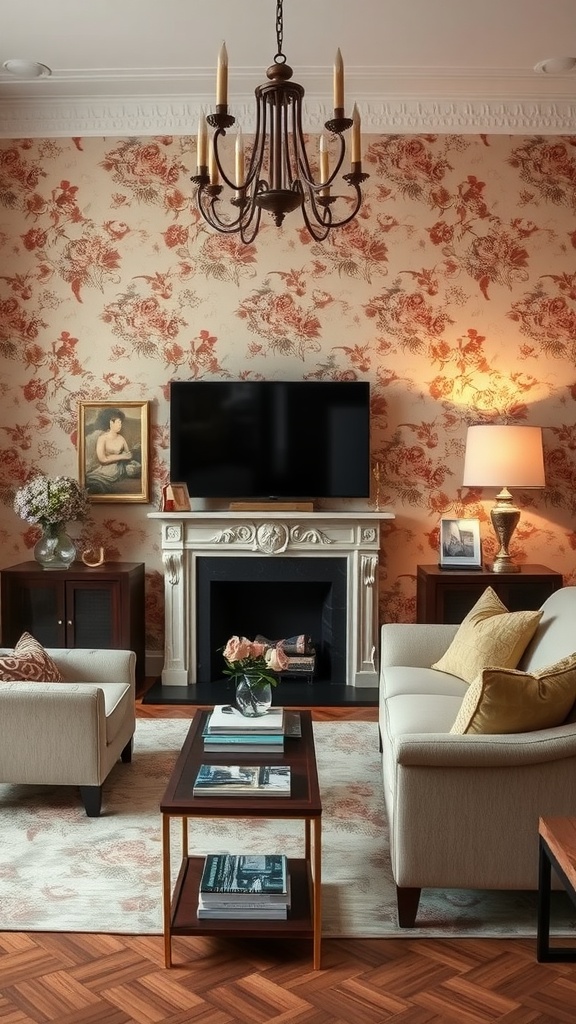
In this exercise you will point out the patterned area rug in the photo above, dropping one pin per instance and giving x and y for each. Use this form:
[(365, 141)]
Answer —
[(61, 871)]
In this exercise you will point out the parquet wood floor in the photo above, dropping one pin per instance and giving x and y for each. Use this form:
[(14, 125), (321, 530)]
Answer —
[(113, 979)]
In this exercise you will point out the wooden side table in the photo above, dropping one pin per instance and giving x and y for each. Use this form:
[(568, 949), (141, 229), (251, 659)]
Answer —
[(557, 838), (447, 595)]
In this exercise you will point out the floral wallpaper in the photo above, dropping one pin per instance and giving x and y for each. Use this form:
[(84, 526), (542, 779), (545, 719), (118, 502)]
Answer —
[(453, 293)]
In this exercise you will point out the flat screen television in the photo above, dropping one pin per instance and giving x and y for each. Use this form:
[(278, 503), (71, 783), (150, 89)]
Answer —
[(271, 439)]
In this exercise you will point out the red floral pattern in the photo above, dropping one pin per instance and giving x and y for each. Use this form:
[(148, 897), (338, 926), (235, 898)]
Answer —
[(453, 292)]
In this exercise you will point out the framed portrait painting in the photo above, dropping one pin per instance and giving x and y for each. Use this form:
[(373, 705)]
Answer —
[(113, 440), (460, 545)]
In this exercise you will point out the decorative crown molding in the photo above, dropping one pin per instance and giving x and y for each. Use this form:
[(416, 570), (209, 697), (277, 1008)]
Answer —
[(178, 115)]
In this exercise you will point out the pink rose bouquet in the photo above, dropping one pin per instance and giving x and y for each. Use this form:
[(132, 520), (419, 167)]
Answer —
[(254, 661)]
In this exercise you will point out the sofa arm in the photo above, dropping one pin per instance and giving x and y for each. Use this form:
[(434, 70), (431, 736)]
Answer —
[(50, 732), (444, 750), (416, 644)]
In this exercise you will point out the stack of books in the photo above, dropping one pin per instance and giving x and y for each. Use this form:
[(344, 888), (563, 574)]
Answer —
[(228, 731), (248, 887)]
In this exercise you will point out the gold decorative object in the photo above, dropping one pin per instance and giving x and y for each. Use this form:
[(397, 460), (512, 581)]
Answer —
[(93, 557), (376, 472)]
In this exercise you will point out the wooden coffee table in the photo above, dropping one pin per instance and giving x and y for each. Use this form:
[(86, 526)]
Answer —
[(180, 903), (557, 850)]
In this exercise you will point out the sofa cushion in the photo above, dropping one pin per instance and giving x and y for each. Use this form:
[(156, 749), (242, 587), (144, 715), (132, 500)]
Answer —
[(29, 662), (555, 637), (417, 713), (490, 635), (399, 680), (508, 701)]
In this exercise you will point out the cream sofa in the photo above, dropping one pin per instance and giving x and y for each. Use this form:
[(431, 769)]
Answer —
[(463, 810), (70, 733)]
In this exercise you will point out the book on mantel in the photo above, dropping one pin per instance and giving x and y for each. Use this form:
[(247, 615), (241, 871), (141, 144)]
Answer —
[(242, 780)]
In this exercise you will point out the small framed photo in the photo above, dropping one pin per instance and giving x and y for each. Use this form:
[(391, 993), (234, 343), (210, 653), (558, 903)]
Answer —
[(175, 498), (113, 451), (460, 545)]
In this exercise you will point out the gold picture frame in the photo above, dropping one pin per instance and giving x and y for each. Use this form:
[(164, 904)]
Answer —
[(113, 445)]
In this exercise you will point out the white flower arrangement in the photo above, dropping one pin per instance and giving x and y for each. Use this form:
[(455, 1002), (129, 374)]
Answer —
[(46, 500)]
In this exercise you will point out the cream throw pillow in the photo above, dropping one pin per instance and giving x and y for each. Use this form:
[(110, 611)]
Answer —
[(489, 635), (505, 701)]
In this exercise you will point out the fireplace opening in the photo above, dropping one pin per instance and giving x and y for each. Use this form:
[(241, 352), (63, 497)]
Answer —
[(275, 597)]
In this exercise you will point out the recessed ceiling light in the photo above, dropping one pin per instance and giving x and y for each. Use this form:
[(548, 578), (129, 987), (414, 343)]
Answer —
[(556, 65), (26, 69)]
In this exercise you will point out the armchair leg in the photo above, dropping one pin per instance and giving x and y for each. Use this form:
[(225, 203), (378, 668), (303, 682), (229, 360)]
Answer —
[(407, 900), (126, 754), (92, 800)]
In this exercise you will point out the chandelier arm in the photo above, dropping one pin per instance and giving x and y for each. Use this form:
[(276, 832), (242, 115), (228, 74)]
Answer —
[(246, 237), (220, 133), (306, 174), (257, 155), (357, 205), (318, 228), (206, 207)]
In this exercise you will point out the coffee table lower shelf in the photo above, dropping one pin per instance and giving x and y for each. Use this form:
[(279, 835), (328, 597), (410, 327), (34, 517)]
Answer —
[(184, 907)]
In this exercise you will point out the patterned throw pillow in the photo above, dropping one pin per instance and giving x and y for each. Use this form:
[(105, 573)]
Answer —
[(489, 635), (29, 663), (506, 701)]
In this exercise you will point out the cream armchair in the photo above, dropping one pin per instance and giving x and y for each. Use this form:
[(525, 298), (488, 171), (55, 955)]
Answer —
[(70, 733)]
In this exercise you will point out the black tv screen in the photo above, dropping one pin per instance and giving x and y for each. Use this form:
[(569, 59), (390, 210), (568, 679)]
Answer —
[(271, 439)]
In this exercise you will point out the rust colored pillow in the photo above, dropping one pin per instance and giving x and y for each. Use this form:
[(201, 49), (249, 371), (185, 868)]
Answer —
[(29, 663)]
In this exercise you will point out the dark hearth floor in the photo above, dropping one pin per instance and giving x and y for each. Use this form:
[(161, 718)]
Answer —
[(320, 695)]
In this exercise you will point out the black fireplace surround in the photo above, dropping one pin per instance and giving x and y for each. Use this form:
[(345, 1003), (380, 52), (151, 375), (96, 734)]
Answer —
[(275, 597)]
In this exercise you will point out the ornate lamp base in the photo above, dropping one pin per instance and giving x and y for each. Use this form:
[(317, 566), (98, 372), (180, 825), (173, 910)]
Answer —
[(505, 518)]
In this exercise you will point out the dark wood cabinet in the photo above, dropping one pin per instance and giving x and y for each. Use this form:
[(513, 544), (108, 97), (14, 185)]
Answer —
[(76, 607), (447, 595)]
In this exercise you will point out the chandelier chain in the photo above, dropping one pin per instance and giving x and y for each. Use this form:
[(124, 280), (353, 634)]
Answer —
[(280, 57)]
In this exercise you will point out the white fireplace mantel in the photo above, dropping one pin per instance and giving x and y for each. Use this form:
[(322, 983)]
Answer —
[(189, 536)]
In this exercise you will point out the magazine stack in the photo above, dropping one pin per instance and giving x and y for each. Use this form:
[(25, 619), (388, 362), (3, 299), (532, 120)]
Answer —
[(244, 887)]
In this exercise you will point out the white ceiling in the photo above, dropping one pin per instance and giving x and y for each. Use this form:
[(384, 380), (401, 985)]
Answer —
[(147, 66)]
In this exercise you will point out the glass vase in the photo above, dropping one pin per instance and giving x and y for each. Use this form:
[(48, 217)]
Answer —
[(253, 698), (55, 549)]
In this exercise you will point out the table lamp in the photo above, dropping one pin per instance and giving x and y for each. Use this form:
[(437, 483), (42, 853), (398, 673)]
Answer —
[(504, 456)]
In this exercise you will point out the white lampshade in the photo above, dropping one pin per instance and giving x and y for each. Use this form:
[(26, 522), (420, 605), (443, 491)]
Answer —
[(504, 456)]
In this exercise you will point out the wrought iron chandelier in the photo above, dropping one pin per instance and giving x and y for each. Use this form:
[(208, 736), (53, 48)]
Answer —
[(278, 177)]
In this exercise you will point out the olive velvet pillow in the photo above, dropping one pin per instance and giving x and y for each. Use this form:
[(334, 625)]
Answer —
[(505, 700), (29, 662), (489, 635)]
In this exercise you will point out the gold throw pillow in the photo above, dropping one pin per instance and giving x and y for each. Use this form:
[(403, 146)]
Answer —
[(489, 635), (505, 700)]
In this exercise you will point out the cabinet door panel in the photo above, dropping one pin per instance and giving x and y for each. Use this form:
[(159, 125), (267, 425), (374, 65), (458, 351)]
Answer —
[(92, 614), (37, 609)]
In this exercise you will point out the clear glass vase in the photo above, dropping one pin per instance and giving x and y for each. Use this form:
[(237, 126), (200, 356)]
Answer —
[(55, 549), (253, 698)]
